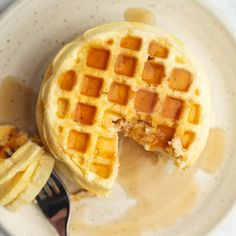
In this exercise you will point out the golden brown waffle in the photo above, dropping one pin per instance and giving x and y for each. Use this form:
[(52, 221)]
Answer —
[(126, 77)]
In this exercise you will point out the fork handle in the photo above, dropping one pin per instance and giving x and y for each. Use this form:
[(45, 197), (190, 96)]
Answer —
[(59, 222)]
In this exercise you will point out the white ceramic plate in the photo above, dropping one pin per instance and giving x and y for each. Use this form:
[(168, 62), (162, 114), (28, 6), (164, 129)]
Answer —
[(33, 31)]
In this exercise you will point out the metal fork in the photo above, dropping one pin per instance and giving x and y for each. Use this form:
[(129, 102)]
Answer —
[(54, 202)]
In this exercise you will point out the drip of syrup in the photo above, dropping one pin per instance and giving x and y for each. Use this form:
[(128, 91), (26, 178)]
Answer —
[(214, 152), (17, 104), (140, 15)]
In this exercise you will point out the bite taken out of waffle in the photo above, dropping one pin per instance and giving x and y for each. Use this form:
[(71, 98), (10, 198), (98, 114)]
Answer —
[(122, 77)]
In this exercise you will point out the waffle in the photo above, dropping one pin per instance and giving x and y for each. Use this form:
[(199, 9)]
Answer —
[(122, 77), (24, 168), (38, 179)]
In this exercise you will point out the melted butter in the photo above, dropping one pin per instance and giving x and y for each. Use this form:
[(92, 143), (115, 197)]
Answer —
[(17, 103), (214, 152), (156, 199), (139, 15)]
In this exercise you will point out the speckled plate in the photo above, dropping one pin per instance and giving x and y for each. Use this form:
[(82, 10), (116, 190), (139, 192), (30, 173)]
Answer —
[(32, 31)]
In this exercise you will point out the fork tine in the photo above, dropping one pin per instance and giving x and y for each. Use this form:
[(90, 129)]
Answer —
[(53, 186), (58, 182), (48, 190), (41, 195)]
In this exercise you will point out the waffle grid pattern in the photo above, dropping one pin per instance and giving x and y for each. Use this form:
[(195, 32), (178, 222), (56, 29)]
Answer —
[(115, 83)]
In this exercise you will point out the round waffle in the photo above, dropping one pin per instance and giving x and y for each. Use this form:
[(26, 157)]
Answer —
[(127, 77)]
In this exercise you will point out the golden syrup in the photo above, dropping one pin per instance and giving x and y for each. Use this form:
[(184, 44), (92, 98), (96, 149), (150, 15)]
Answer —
[(17, 103), (140, 15), (214, 152)]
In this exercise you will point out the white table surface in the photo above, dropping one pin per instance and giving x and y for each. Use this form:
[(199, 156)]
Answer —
[(226, 12)]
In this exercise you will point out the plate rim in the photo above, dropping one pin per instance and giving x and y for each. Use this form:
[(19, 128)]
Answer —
[(209, 6)]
